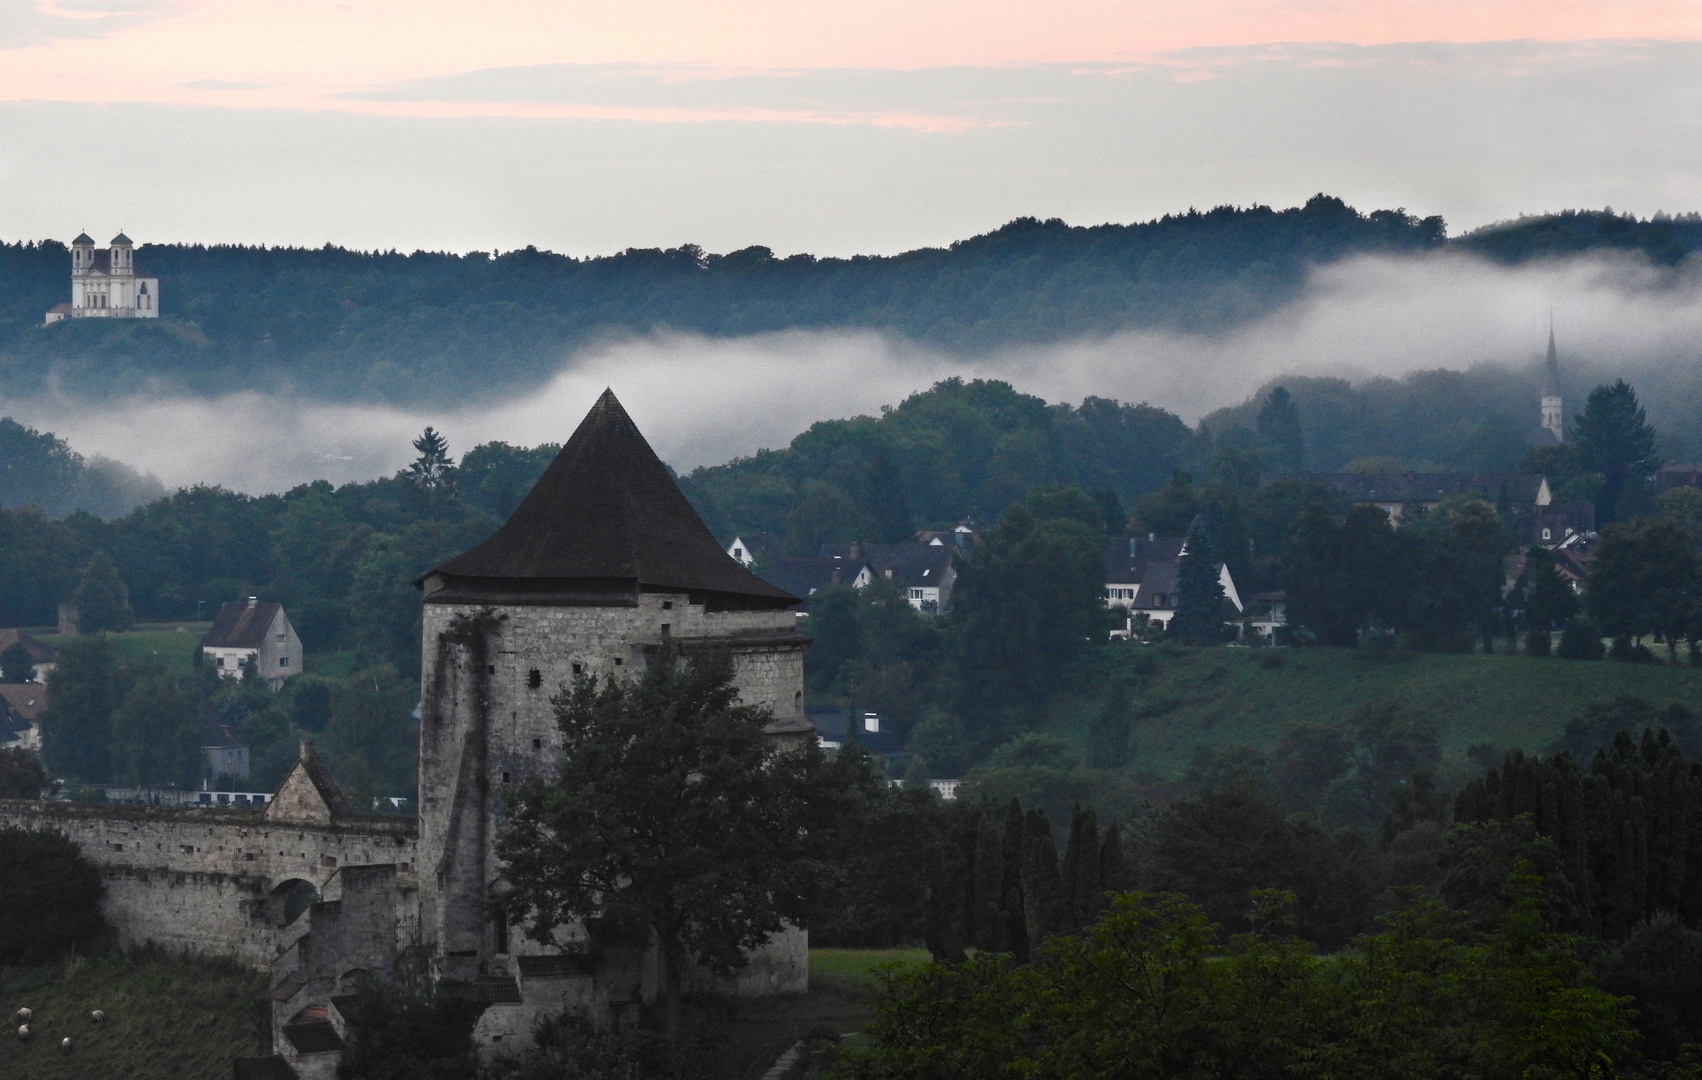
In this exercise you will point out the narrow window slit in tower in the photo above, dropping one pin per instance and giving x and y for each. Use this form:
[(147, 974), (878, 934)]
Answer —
[(535, 678), (490, 669), (537, 744), (579, 669)]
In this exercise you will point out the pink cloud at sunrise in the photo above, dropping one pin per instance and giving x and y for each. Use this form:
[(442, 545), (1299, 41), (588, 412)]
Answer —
[(317, 53)]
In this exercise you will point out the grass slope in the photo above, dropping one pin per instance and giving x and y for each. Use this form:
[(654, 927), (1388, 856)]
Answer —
[(1187, 698), (169, 1017), (841, 983), (173, 643)]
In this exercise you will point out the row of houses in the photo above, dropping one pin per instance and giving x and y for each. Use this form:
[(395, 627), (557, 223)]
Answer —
[(1141, 572)]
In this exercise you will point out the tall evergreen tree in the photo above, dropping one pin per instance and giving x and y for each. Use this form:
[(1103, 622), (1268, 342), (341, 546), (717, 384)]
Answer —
[(1199, 590), (1013, 840), (1279, 427), (1042, 884), (1613, 438), (434, 469), (76, 727), (103, 603), (988, 915)]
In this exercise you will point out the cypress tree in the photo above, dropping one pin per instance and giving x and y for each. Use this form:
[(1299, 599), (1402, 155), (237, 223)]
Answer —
[(1042, 886), (1084, 883), (1112, 872), (988, 916), (1012, 843)]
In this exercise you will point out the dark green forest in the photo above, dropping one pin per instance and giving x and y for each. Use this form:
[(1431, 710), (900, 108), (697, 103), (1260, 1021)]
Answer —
[(436, 327)]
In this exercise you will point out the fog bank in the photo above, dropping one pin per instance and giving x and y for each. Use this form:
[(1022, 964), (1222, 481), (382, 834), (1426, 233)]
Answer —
[(702, 400)]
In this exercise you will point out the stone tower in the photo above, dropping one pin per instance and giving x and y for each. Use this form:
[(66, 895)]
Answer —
[(601, 563), (1553, 420)]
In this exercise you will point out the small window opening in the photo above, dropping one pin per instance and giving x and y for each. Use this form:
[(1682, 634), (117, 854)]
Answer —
[(667, 605), (666, 628), (501, 933), (579, 669), (537, 744), (534, 678), (618, 661), (490, 669), (505, 778)]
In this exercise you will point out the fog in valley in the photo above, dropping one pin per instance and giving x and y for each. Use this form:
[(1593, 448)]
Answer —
[(703, 400)]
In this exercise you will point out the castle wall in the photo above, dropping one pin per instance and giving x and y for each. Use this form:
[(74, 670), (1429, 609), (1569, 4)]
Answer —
[(208, 880)]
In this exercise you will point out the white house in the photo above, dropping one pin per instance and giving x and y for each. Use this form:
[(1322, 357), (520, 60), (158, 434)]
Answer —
[(250, 631), (105, 283), (1141, 578)]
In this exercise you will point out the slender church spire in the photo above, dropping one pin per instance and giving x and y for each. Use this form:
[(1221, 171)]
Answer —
[(1552, 410)]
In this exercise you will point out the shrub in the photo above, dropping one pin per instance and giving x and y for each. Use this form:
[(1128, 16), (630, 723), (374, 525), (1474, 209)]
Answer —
[(1537, 643), (1580, 640), (49, 897)]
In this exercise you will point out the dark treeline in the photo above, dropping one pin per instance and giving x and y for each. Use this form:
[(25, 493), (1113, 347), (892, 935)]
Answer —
[(440, 327), (1592, 874)]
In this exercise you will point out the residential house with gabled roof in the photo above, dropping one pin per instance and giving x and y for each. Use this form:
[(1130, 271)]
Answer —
[(752, 548), (1142, 575), (20, 715), (924, 573), (253, 632), (805, 577)]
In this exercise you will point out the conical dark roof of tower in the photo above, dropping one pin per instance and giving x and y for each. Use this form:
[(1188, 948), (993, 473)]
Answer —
[(606, 516), (1551, 370)]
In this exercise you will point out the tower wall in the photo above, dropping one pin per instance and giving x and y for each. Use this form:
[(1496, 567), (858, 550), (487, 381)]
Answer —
[(484, 727)]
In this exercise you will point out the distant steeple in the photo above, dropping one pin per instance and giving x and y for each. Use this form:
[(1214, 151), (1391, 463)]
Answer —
[(1552, 410)]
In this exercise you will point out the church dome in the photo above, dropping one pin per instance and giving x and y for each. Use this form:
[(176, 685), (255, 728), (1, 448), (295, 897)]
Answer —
[(123, 240), (84, 238)]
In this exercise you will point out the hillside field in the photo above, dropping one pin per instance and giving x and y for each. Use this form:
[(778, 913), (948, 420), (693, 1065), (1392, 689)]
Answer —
[(1182, 699), (169, 1017), (174, 642)]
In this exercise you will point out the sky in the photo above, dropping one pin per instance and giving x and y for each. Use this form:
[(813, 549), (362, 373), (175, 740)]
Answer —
[(831, 127)]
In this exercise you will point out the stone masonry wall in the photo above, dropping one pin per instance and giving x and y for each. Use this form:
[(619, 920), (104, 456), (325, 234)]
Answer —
[(209, 880), (499, 723)]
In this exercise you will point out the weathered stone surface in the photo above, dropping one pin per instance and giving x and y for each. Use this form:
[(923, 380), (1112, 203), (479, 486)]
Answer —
[(207, 880)]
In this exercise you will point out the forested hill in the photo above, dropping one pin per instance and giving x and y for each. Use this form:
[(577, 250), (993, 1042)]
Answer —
[(439, 327)]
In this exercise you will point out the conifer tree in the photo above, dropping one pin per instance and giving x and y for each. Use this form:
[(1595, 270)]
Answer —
[(434, 468), (1199, 589), (103, 603), (1012, 841), (1612, 437), (988, 915), (1042, 884)]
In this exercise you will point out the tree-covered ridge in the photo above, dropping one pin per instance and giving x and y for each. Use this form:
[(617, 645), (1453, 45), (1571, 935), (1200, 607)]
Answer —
[(428, 325), (1663, 239)]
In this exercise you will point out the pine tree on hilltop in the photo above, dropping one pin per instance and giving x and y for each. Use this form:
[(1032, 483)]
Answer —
[(103, 603), (1199, 590)]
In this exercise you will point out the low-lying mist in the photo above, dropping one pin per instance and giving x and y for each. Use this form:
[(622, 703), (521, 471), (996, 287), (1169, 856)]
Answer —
[(702, 400)]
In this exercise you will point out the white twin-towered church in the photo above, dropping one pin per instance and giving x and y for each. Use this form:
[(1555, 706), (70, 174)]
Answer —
[(105, 283)]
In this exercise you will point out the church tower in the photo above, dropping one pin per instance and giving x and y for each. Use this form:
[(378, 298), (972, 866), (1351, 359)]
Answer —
[(1552, 412), (601, 564)]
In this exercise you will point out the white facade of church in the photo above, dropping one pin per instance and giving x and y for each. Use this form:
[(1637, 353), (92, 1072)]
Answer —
[(106, 285)]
